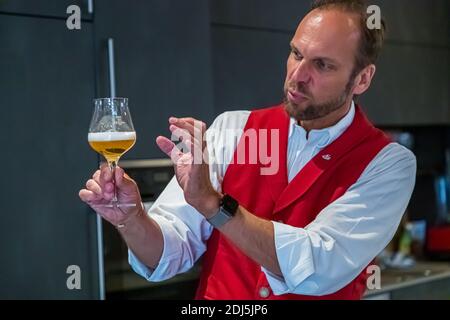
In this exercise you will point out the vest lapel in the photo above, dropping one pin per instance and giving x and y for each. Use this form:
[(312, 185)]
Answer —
[(278, 182), (325, 159)]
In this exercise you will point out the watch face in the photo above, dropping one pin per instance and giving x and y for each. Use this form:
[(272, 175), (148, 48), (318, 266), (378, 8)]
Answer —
[(229, 204)]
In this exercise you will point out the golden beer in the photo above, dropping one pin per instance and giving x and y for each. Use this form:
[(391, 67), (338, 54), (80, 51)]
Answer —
[(112, 145)]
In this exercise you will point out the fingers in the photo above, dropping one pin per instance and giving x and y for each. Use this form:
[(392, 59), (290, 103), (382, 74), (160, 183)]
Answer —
[(103, 178), (124, 182), (191, 132), (96, 176), (194, 122), (100, 192), (101, 186), (169, 148), (194, 143), (87, 195), (94, 187), (165, 145), (188, 141), (194, 127), (105, 175)]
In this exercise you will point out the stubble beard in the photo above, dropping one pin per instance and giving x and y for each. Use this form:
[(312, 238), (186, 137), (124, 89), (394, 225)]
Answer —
[(315, 111)]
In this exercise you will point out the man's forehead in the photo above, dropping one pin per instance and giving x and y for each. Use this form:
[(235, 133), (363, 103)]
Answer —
[(327, 31)]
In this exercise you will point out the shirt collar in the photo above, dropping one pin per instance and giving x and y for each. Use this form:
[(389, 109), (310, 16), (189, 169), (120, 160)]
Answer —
[(324, 137)]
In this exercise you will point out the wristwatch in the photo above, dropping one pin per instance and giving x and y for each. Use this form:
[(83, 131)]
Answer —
[(227, 210)]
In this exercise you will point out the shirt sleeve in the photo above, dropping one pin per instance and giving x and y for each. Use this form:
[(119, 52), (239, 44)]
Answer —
[(346, 236), (185, 231)]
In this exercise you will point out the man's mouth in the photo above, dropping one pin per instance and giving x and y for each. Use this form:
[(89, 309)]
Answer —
[(295, 96)]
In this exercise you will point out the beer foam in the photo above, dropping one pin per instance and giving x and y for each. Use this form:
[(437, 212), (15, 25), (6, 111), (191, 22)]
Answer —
[(111, 136)]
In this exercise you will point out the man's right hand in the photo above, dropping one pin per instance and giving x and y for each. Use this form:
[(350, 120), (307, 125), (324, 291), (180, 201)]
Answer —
[(100, 190)]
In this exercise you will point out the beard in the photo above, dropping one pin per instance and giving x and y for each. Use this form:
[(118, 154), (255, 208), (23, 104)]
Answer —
[(313, 110)]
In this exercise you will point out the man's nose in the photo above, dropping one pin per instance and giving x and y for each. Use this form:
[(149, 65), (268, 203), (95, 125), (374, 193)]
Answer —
[(301, 72)]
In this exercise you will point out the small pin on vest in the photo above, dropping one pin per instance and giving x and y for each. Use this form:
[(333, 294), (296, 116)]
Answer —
[(326, 157)]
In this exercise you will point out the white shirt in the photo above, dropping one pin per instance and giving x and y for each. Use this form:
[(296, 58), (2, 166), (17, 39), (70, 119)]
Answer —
[(324, 256)]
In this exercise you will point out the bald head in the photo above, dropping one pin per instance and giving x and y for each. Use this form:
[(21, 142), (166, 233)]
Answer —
[(333, 32)]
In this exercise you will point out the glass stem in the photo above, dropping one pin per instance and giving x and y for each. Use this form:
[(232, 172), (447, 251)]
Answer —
[(112, 166)]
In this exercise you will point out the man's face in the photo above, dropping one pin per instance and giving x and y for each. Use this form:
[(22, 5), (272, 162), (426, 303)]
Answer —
[(320, 64)]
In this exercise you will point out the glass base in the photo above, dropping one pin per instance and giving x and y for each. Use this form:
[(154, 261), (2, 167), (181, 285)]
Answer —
[(116, 205)]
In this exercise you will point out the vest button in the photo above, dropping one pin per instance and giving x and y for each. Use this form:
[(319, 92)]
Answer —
[(264, 292)]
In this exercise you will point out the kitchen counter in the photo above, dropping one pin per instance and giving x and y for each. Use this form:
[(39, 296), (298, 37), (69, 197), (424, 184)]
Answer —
[(425, 280)]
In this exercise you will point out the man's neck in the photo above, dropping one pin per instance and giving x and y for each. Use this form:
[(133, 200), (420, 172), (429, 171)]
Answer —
[(328, 121)]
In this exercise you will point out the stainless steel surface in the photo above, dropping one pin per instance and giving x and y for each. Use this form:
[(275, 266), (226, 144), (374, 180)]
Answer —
[(147, 163), (112, 72), (100, 256), (100, 249), (422, 272), (90, 6)]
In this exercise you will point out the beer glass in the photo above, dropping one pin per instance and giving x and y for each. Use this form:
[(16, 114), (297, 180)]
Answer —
[(111, 133)]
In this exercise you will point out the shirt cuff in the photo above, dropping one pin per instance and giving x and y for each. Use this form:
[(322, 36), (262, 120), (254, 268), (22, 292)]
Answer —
[(166, 267), (294, 256)]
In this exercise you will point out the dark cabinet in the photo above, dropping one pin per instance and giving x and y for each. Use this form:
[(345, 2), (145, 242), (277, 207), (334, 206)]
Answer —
[(416, 21), (249, 68), (47, 8), (162, 63), (411, 87), (46, 89), (267, 15)]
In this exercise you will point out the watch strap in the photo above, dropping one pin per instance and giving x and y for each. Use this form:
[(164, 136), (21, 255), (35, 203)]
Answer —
[(227, 209), (220, 218)]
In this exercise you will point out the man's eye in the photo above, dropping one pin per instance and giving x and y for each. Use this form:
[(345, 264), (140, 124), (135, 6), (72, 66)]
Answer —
[(296, 54), (322, 65)]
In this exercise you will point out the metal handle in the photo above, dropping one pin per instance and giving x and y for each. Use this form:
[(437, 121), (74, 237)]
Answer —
[(101, 268), (112, 89), (90, 6), (112, 73)]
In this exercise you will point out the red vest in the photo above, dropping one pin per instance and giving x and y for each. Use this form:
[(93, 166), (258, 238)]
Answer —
[(229, 274)]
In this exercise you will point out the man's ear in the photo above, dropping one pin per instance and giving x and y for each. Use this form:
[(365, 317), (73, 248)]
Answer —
[(364, 79)]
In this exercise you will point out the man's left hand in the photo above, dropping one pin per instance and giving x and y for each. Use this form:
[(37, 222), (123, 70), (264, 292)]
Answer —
[(191, 169)]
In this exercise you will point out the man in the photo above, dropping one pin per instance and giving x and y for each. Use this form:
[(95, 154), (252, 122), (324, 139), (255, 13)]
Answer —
[(309, 228)]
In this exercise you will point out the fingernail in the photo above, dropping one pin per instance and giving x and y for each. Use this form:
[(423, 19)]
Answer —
[(172, 120)]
